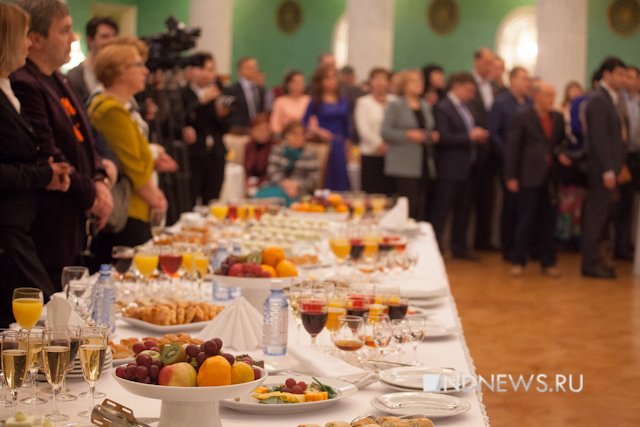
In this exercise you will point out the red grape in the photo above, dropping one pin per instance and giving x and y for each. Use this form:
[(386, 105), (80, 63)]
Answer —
[(138, 347), (302, 385), (248, 361), (144, 360), (150, 344), (218, 342), (211, 348), (146, 380), (201, 357), (230, 358), (285, 390), (120, 372), (142, 372), (155, 349), (154, 371), (130, 372), (257, 373), (290, 382), (193, 350), (296, 390)]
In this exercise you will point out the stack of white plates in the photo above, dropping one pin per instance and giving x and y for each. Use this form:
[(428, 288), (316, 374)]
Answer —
[(76, 372), (439, 380)]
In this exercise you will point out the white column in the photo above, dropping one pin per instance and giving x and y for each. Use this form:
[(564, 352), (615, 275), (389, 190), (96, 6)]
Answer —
[(214, 17), (562, 41), (370, 25)]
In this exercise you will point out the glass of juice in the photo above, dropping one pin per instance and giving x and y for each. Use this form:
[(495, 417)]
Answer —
[(27, 306), (219, 210), (146, 261)]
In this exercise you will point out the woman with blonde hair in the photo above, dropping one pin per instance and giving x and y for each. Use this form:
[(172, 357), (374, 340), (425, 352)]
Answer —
[(23, 174), (120, 67)]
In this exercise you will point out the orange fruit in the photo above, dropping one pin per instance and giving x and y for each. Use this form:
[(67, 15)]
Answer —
[(286, 268), (301, 206), (342, 208), (241, 373), (214, 371), (272, 255), (269, 269), (334, 199), (316, 208)]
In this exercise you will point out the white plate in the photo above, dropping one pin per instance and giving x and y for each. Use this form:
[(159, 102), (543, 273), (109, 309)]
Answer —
[(412, 378), (417, 403), (251, 283), (438, 330), (250, 405), (126, 360), (328, 216), (427, 302), (196, 326)]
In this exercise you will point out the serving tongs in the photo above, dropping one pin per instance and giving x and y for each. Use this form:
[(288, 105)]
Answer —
[(110, 413)]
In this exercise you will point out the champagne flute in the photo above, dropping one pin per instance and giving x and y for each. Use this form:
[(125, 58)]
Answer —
[(27, 306), (201, 266), (313, 312), (296, 291), (93, 348), (55, 354), (4, 403), (157, 221), (74, 344), (14, 364), (31, 341)]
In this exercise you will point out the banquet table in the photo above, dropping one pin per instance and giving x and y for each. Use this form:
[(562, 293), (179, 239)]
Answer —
[(450, 351)]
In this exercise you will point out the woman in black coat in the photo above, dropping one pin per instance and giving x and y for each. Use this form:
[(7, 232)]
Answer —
[(22, 173)]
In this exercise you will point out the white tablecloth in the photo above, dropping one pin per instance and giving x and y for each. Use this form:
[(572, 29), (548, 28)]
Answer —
[(447, 352)]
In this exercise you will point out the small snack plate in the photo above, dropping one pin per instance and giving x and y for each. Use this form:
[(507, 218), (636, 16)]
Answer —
[(438, 330), (429, 405), (409, 378), (169, 329), (248, 404)]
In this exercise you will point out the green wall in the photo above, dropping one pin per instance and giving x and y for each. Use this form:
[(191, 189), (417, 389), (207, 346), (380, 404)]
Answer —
[(151, 13), (415, 44), (602, 41), (255, 34)]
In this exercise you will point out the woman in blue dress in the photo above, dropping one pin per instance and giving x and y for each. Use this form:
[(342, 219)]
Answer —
[(327, 119)]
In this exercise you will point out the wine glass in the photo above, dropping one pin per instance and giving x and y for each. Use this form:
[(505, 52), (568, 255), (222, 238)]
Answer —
[(348, 335), (31, 341), (74, 344), (122, 257), (93, 349), (340, 246), (219, 210), (396, 303), (80, 295), (55, 355), (146, 261), (400, 333), (313, 312), (201, 267), (27, 306), (14, 364), (73, 272), (377, 329), (170, 261), (416, 328), (157, 221), (296, 291), (4, 403), (337, 306)]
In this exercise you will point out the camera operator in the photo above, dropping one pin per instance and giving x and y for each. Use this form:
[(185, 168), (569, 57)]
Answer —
[(205, 110)]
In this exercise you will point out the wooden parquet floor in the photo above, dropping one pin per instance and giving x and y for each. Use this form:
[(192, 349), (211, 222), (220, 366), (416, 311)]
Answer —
[(539, 325)]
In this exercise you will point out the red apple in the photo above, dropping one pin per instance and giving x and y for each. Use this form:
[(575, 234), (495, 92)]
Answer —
[(178, 375), (235, 270)]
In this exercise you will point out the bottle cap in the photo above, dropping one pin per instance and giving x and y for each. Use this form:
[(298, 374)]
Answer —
[(277, 285), (105, 269)]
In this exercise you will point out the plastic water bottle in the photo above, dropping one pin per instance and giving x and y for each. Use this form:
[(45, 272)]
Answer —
[(220, 293), (104, 311), (275, 323)]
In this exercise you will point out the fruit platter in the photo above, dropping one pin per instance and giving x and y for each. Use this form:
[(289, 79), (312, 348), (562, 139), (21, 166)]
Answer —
[(190, 380), (285, 395)]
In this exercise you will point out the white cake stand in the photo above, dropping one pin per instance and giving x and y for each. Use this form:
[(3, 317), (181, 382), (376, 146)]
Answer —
[(190, 406)]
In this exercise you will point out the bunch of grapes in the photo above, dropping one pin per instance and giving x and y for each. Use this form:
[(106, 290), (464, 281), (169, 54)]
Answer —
[(145, 369), (293, 386), (197, 354), (226, 264)]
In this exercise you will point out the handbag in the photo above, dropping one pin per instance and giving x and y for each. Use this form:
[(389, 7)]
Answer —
[(121, 194)]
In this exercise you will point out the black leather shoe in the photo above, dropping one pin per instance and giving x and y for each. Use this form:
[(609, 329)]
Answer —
[(599, 272), (466, 255)]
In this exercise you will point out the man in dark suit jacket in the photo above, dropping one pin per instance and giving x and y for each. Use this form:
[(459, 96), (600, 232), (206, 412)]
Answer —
[(99, 31), (63, 132), (205, 126), (249, 97), (498, 122), (456, 162), (605, 157), (483, 63), (534, 141)]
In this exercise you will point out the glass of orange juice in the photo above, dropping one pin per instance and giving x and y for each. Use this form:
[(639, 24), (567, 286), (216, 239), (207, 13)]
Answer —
[(337, 306), (27, 306), (340, 245), (219, 210), (146, 261)]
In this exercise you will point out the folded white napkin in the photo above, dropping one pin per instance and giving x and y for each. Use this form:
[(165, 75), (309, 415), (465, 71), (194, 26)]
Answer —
[(239, 326), (397, 216), (60, 314), (316, 362)]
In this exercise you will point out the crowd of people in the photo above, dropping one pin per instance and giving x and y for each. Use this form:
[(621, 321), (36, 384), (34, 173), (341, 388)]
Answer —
[(76, 156)]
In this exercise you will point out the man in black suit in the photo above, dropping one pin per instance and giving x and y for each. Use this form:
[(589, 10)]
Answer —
[(534, 142), (605, 157), (498, 121), (488, 168), (249, 97), (456, 162), (63, 132), (99, 31), (204, 126)]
